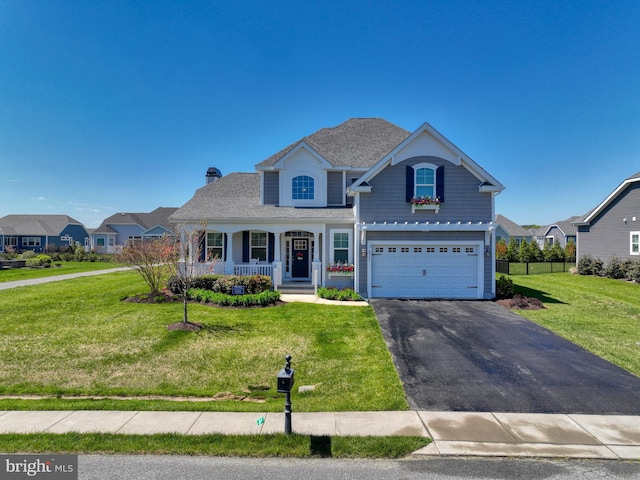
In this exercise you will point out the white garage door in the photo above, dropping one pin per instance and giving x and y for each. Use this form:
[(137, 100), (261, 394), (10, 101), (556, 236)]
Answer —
[(424, 271)]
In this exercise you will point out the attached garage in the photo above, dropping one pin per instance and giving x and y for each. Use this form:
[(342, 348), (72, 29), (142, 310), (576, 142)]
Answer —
[(426, 270)]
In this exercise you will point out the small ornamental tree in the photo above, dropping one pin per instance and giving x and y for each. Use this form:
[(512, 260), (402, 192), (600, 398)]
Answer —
[(149, 258), (512, 250), (535, 254), (501, 249), (557, 253), (184, 259), (570, 251)]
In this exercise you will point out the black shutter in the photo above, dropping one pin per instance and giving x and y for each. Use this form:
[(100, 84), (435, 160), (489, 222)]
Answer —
[(409, 184), (440, 183), (245, 246), (272, 246)]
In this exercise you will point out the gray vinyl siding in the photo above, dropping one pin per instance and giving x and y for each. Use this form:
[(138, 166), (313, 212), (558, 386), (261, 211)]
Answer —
[(422, 237), (608, 235), (272, 188), (463, 202), (335, 188)]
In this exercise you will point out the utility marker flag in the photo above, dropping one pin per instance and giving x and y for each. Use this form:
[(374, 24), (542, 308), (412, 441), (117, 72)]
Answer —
[(260, 421)]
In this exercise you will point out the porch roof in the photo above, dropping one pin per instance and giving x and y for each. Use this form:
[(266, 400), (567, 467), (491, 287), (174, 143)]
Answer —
[(236, 198)]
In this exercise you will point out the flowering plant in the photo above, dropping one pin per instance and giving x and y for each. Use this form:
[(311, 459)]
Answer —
[(340, 268), (424, 200)]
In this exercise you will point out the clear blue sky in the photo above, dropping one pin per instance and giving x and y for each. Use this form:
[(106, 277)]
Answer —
[(109, 106)]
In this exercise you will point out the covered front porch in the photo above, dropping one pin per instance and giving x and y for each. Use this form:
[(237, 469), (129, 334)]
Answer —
[(288, 256)]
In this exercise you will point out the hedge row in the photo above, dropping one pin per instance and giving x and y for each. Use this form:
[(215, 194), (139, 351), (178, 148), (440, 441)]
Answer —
[(615, 268), (225, 283), (262, 299), (332, 293)]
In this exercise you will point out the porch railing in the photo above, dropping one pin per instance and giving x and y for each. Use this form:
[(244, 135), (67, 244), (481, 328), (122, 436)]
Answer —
[(254, 269)]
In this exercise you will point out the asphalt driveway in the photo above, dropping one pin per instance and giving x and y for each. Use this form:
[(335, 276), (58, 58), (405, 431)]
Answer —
[(480, 357)]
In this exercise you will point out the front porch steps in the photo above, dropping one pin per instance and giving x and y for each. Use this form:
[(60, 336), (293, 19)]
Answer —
[(297, 288)]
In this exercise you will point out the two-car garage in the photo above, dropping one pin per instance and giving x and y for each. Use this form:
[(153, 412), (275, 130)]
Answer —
[(426, 270)]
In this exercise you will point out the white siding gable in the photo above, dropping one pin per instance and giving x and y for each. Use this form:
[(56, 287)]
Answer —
[(303, 162), (428, 146)]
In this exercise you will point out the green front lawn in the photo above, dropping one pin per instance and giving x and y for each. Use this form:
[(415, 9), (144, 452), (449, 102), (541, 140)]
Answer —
[(78, 338), (64, 268), (600, 314)]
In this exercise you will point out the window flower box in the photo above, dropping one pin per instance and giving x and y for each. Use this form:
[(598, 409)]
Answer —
[(425, 203), (340, 270)]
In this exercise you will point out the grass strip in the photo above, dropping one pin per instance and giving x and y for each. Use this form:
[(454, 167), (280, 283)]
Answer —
[(276, 445), (601, 315)]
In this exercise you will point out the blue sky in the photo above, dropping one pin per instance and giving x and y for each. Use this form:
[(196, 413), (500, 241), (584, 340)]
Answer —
[(109, 106)]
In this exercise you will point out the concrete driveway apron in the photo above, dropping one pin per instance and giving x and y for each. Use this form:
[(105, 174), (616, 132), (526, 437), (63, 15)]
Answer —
[(480, 357)]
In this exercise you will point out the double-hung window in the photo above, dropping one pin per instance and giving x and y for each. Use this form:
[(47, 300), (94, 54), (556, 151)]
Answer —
[(214, 245), (635, 243), (341, 246), (425, 183), (258, 246)]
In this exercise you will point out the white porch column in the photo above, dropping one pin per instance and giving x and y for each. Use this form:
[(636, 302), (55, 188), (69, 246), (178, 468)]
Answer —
[(228, 264), (277, 263), (316, 247)]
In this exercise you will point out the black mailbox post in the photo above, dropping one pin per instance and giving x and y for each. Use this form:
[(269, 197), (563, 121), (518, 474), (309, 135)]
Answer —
[(285, 384)]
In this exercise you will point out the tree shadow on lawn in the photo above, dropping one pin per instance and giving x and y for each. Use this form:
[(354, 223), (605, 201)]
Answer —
[(540, 295)]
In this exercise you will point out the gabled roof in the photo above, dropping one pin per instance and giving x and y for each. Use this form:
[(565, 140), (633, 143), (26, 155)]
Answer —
[(356, 143), (236, 198), (587, 218), (147, 221), (512, 228), (567, 227), (438, 146), (40, 225)]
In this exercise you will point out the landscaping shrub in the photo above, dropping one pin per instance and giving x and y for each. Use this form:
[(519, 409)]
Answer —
[(224, 283), (27, 254), (504, 287), (590, 266), (615, 269), (39, 261), (332, 293), (79, 254), (262, 299), (633, 270)]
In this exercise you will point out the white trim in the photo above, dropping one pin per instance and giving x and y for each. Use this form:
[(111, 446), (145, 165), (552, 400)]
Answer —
[(596, 211), (429, 227), (456, 156), (631, 252), (350, 247)]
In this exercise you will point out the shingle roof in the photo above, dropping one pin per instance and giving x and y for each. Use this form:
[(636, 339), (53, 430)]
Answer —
[(358, 142), (512, 228), (51, 225), (237, 197), (160, 216)]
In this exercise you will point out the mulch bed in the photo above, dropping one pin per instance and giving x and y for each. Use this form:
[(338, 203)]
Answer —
[(520, 302)]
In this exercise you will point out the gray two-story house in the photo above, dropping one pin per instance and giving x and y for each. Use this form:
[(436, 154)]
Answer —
[(612, 228), (365, 204)]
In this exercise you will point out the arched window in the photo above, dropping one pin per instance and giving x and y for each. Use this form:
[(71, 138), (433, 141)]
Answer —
[(302, 188)]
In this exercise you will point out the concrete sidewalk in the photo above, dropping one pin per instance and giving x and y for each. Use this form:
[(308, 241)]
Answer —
[(453, 433), (57, 278)]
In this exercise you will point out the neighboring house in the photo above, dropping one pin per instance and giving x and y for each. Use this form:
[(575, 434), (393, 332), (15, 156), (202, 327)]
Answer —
[(613, 227), (560, 232), (123, 228), (41, 233), (334, 209), (506, 229)]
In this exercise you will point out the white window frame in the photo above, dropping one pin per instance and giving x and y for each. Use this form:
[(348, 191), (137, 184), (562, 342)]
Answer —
[(349, 233), (636, 243), (210, 247), (312, 182), (31, 241), (415, 179), (265, 246)]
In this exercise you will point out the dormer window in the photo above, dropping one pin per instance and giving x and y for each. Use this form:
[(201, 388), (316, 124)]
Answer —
[(302, 188)]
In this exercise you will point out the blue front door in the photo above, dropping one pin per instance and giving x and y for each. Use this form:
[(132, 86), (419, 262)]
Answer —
[(300, 259)]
